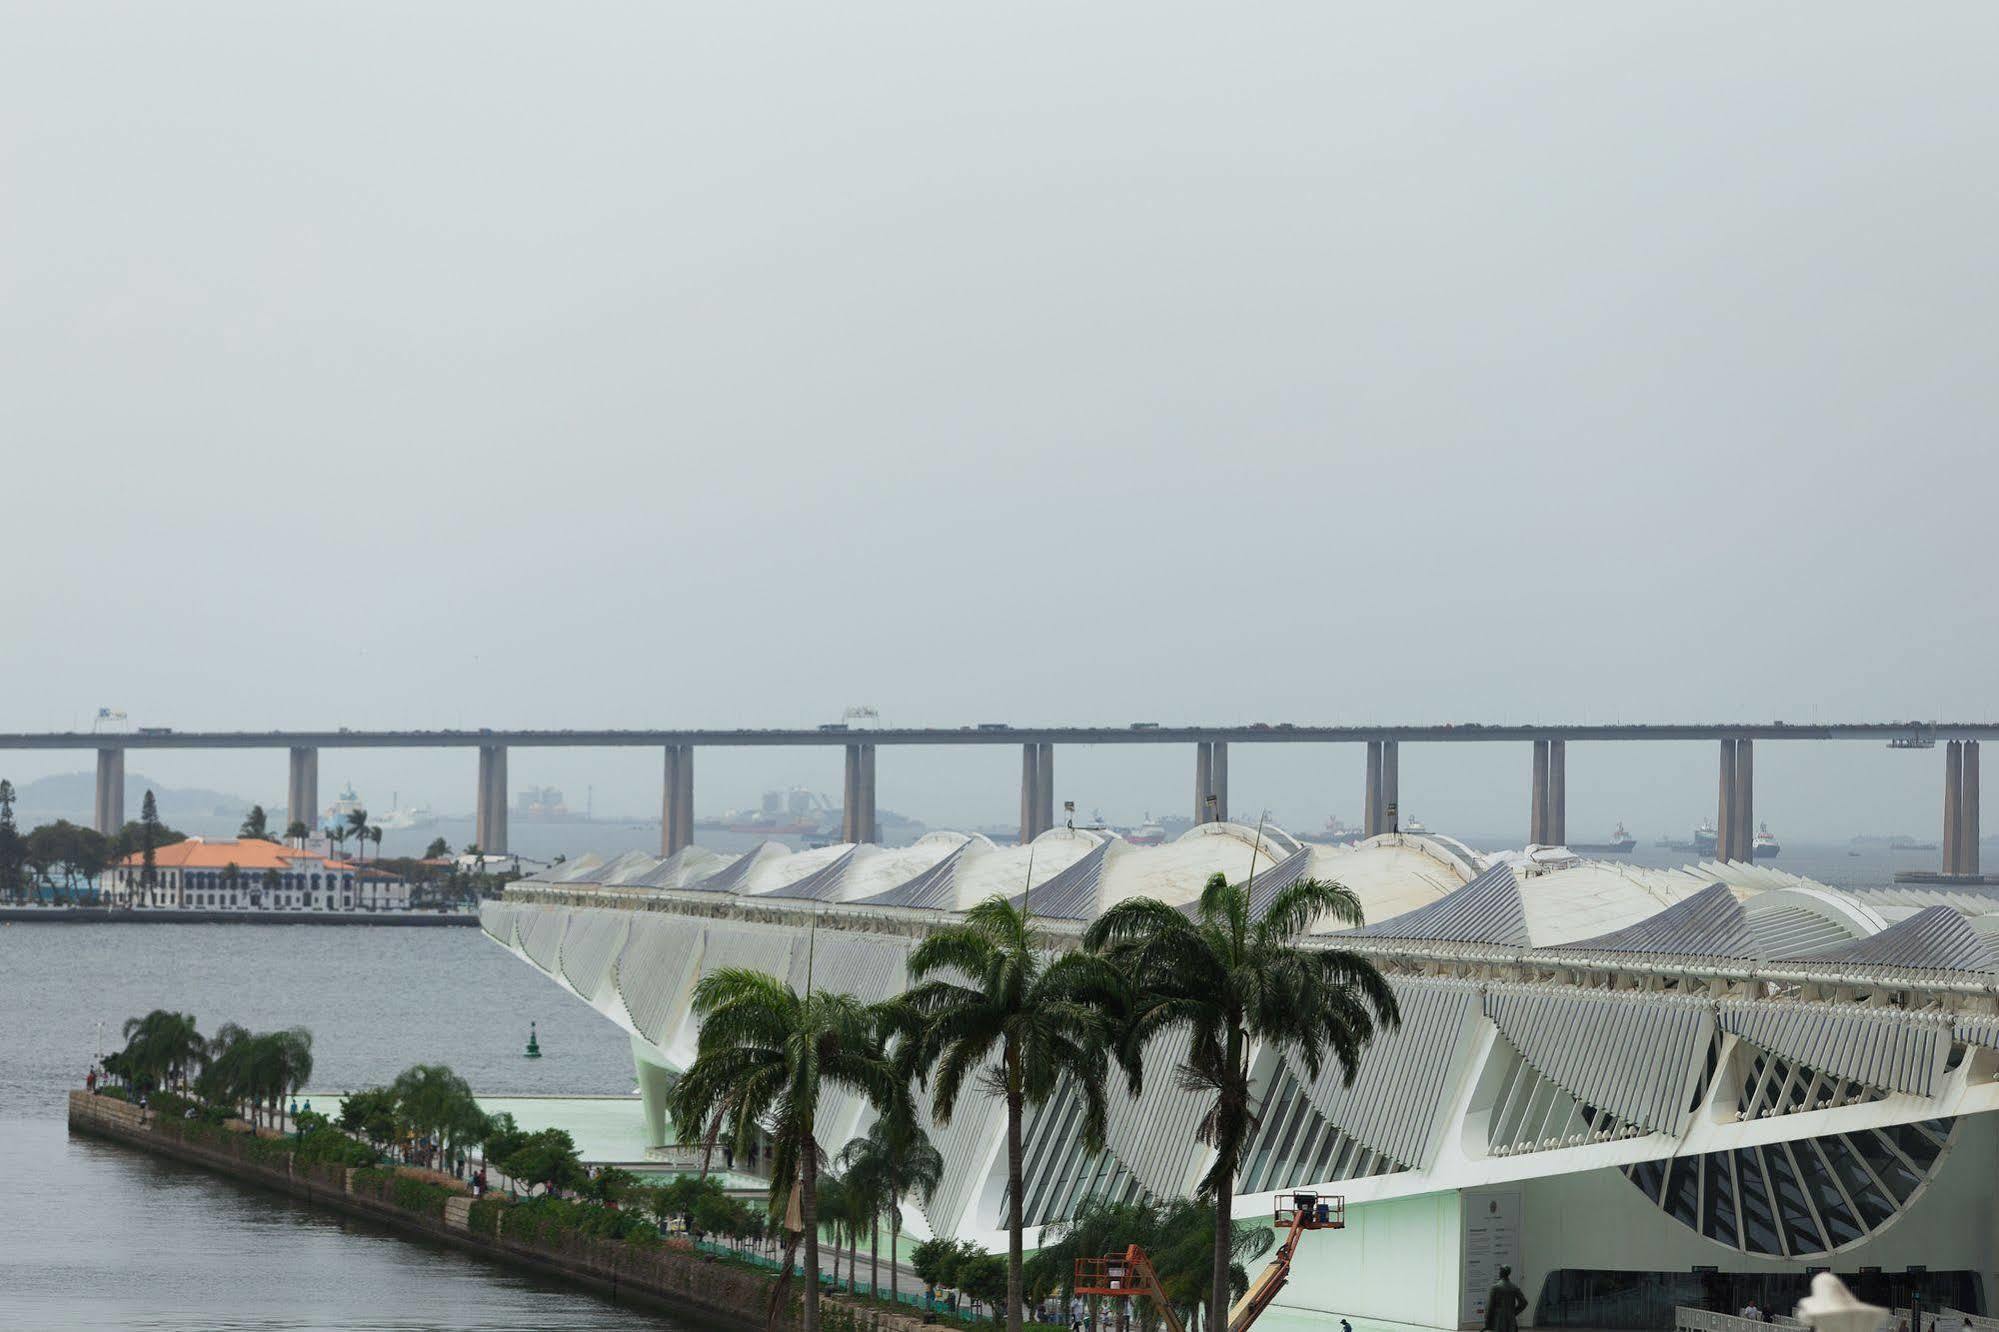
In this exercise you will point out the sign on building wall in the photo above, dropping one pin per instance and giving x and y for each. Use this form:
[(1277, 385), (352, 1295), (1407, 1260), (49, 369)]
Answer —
[(1491, 1241)]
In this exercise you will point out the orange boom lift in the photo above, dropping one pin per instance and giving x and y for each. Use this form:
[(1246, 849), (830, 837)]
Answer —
[(1131, 1274)]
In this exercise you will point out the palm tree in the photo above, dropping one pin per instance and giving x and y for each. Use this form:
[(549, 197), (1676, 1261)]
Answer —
[(256, 825), (765, 1054), (357, 827), (836, 1203), (375, 836), (1235, 981), (272, 882), (162, 1048), (1019, 1027), (337, 834), (893, 1161), (231, 873), (296, 830)]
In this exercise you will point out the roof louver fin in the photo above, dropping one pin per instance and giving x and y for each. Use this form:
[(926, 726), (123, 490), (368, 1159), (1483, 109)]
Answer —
[(1711, 923), (1487, 910), (588, 947), (541, 936), (821, 885), (1071, 894), (730, 877), (935, 889), (1634, 1054), (1398, 1089), (1882, 1047), (1937, 938), (656, 969)]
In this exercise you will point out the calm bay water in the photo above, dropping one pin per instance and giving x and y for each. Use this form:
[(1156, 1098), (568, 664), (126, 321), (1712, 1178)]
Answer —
[(96, 1236)]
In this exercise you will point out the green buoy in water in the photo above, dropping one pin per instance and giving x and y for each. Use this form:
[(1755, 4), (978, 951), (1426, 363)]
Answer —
[(534, 1046)]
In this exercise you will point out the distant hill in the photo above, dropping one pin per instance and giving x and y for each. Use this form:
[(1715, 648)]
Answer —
[(72, 795)]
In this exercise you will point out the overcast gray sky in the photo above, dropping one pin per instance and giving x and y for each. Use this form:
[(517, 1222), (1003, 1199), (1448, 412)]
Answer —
[(666, 364)]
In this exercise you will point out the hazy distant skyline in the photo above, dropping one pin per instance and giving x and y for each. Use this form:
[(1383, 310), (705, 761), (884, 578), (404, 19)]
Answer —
[(494, 365)]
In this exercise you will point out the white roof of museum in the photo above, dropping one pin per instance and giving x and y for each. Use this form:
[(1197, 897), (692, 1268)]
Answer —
[(1424, 897)]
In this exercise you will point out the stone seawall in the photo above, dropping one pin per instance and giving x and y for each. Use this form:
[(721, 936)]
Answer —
[(675, 1277)]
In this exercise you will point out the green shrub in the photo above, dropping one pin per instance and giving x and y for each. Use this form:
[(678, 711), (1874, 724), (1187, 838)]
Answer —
[(273, 1152), (420, 1196), (115, 1093), (484, 1217), (556, 1218), (332, 1147)]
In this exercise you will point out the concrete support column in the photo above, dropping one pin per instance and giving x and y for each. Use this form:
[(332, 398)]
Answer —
[(654, 1083), (869, 826), (1030, 792), (850, 797), (1044, 789), (1724, 818), (687, 794), (1537, 811), (1953, 806), (1204, 780), (1967, 812), (676, 802), (1743, 822), (491, 825), (302, 788), (1391, 784), (1558, 793), (109, 815), (1218, 776), (1371, 801)]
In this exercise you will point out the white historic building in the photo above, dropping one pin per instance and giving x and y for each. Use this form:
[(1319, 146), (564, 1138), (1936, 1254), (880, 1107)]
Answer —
[(250, 875), (1641, 1088)]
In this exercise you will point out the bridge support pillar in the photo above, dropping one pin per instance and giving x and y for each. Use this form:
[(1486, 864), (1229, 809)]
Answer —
[(1724, 816), (1537, 804), (870, 825), (302, 788), (1044, 788), (654, 1082), (1218, 778), (109, 815), (1030, 791), (676, 805), (1372, 802), (1558, 793), (1967, 816), (1953, 807), (1204, 781), (1735, 805), (491, 823), (1743, 824), (1390, 814)]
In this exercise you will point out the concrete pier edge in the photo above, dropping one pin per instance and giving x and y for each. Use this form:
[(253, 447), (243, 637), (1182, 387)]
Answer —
[(716, 1289)]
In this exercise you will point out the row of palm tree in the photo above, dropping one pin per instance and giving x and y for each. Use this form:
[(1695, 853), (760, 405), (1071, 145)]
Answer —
[(990, 1009), (255, 1071), (357, 827)]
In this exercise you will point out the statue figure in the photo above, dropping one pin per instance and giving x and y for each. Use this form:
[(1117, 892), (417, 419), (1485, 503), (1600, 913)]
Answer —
[(1503, 1304)]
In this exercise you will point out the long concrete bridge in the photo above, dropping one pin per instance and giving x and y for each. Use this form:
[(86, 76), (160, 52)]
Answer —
[(1547, 802)]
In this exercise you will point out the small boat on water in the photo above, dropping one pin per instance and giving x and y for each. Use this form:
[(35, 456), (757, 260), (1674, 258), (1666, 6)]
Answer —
[(1621, 843), (1765, 847)]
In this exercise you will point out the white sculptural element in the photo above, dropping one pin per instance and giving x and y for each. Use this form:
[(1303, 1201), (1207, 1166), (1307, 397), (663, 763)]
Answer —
[(1831, 1308)]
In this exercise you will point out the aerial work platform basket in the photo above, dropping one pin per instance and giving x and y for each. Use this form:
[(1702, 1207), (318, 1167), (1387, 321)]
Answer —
[(1131, 1273)]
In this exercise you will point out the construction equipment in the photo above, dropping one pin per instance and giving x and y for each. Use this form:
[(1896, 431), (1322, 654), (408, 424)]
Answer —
[(1130, 1274)]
